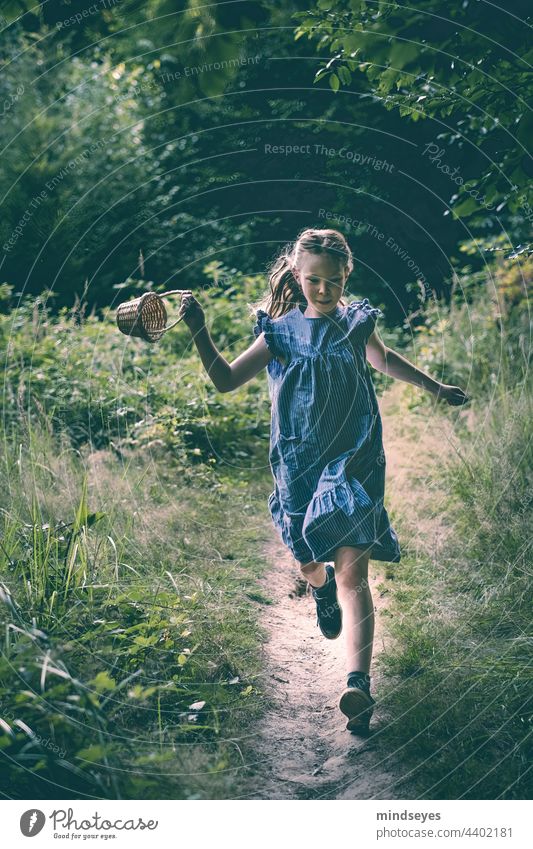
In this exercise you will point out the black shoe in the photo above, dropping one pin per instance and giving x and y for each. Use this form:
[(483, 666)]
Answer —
[(329, 614), (357, 704)]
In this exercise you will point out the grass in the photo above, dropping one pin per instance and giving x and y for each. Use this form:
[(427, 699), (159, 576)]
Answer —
[(129, 595), (458, 676), (129, 627)]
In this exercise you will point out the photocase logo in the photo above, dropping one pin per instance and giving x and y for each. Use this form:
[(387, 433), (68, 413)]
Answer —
[(32, 822)]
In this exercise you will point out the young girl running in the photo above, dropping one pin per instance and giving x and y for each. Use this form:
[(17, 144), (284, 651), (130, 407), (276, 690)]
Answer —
[(326, 451)]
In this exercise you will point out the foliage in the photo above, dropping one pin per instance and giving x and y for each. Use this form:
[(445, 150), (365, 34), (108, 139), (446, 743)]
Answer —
[(458, 691), (126, 604), (459, 677), (101, 387), (168, 163), (481, 340), (129, 643), (70, 190), (464, 66)]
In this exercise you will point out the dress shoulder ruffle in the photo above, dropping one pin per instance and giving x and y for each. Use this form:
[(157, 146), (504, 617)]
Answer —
[(265, 324), (362, 317)]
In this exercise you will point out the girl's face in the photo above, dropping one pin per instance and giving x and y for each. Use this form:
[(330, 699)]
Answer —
[(321, 278)]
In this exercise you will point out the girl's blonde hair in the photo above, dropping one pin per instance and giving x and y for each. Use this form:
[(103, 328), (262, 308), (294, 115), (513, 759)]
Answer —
[(285, 292)]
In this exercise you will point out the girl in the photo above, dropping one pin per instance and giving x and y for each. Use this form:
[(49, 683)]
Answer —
[(326, 452)]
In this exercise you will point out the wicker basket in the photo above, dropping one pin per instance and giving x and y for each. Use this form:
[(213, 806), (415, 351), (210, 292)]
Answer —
[(146, 316)]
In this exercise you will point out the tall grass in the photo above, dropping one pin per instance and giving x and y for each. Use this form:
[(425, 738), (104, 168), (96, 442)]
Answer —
[(129, 638), (129, 645), (460, 683)]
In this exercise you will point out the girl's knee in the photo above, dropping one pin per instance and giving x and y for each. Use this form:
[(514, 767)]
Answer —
[(351, 566)]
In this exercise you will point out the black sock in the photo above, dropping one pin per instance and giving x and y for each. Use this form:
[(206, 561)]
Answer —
[(359, 679)]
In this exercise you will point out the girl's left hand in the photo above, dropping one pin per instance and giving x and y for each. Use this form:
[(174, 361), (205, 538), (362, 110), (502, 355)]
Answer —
[(452, 394)]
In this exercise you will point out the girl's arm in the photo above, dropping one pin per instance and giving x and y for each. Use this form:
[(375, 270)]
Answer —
[(225, 376), (391, 363)]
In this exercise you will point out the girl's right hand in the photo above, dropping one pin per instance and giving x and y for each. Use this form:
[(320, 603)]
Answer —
[(191, 312), (454, 395)]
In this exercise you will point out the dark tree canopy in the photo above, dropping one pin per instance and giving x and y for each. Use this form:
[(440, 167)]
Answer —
[(142, 141), (465, 65)]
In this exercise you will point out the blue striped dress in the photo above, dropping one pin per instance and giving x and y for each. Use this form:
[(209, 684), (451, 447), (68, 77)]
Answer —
[(326, 451)]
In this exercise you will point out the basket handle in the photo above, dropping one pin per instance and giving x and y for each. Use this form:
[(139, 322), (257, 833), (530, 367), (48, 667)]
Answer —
[(166, 294)]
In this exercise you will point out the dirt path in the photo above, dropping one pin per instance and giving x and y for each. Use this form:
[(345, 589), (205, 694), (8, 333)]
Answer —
[(303, 750)]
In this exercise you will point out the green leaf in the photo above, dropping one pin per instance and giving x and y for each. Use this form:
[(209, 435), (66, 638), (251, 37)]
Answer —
[(92, 518), (91, 753), (144, 642), (466, 207), (334, 82), (319, 74), (344, 75), (103, 681)]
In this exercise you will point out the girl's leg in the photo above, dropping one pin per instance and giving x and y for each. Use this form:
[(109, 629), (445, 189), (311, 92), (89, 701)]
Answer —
[(314, 573), (353, 592)]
